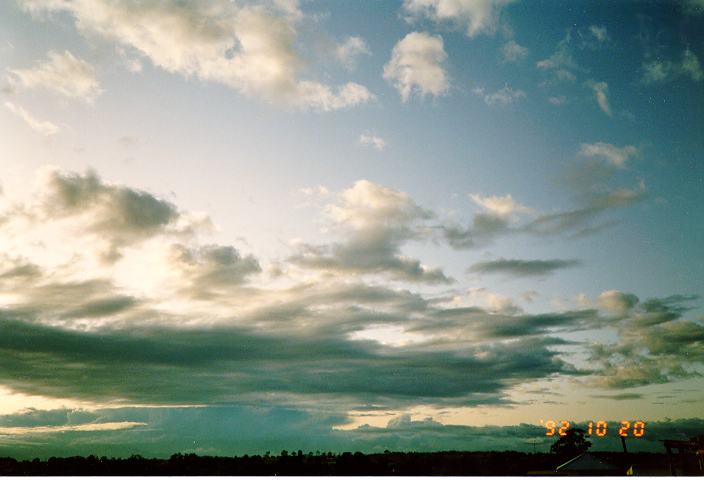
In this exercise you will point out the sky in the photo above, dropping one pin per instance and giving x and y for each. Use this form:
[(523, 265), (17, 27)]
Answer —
[(234, 227)]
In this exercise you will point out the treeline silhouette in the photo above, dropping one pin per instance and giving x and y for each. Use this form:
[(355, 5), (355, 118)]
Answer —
[(299, 463)]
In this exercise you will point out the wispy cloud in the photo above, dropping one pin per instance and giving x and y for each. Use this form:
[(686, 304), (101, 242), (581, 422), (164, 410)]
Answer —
[(61, 73), (44, 127), (371, 140), (503, 97), (350, 50), (512, 52), (616, 156), (601, 94)]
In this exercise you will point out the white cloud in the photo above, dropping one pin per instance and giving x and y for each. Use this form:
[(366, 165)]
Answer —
[(616, 302), (375, 221), (601, 93), (503, 97), (416, 64), (654, 72), (349, 50), (616, 156), (320, 190), (44, 127), (474, 16), (86, 427), (495, 303), (560, 63), (599, 33), (513, 52), (251, 49), (558, 101), (502, 207), (691, 66), (658, 71), (61, 73), (372, 140)]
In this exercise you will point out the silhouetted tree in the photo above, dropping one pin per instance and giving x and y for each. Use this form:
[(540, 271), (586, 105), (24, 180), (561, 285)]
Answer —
[(572, 444)]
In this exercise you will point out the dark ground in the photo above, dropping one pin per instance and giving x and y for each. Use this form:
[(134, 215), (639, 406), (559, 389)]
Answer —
[(299, 463)]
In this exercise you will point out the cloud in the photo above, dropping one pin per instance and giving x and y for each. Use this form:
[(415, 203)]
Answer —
[(211, 269), (614, 301), (107, 218), (691, 66), (88, 427), (616, 156), (561, 63), (349, 50), (499, 212), (599, 33), (280, 359), (655, 343), (659, 71), (523, 268), (416, 65), (43, 127), (601, 93), (250, 48), (503, 207), (579, 221), (503, 216), (694, 7), (483, 229), (503, 320), (621, 396), (162, 366), (371, 140), (208, 431), (476, 17), (512, 52), (61, 73), (655, 72), (503, 97), (558, 101), (377, 221)]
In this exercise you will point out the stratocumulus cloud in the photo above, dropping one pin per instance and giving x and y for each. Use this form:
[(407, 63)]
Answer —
[(522, 267)]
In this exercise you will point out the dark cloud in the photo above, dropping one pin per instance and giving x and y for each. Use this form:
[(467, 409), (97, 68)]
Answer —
[(523, 268), (621, 396), (480, 325), (67, 301), (178, 365), (212, 269), (579, 222), (484, 229), (118, 215), (655, 345), (368, 258)]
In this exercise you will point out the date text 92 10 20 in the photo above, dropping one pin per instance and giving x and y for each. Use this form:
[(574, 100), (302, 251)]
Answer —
[(599, 428)]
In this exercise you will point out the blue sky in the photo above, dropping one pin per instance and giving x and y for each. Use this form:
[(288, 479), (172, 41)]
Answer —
[(416, 216)]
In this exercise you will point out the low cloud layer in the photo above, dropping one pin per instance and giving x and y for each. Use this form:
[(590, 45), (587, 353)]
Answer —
[(161, 432)]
